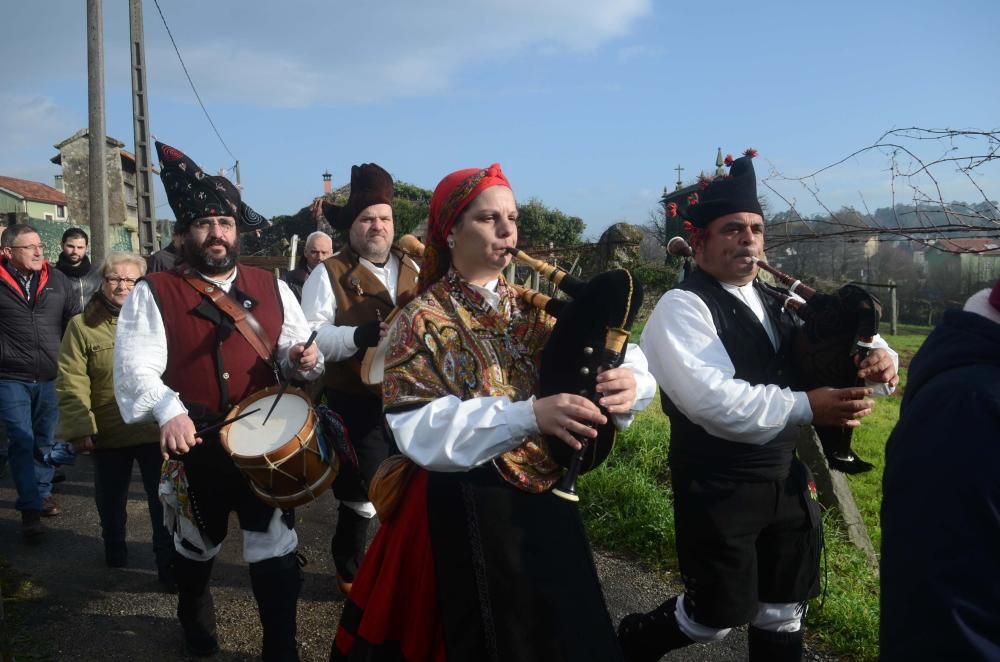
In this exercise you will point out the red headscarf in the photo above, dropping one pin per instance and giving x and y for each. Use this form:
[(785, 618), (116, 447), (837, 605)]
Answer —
[(452, 195)]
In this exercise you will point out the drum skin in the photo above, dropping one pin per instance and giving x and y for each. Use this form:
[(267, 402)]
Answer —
[(291, 474)]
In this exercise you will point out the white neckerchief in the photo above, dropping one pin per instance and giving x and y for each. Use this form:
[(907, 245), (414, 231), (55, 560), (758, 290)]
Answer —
[(225, 284), (489, 293), (748, 295)]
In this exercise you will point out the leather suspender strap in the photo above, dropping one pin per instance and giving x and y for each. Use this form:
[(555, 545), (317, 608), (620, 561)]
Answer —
[(245, 323)]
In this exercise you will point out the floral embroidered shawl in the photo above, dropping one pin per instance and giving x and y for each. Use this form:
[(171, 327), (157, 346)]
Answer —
[(449, 341)]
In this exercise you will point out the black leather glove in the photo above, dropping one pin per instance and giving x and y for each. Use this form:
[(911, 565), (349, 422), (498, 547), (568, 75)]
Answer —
[(367, 335)]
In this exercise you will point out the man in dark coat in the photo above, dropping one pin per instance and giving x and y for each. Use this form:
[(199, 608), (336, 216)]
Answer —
[(165, 258), (75, 264), (940, 574), (318, 247), (36, 303)]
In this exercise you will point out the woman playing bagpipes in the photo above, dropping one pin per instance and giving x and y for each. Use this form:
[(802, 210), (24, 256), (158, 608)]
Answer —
[(479, 560)]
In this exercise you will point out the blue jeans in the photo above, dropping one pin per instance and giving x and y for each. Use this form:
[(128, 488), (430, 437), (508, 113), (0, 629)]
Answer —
[(29, 412)]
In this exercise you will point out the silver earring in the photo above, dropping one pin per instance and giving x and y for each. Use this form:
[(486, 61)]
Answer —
[(451, 242)]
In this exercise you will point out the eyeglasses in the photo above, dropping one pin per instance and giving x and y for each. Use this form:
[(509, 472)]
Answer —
[(31, 247), (115, 281), (205, 224)]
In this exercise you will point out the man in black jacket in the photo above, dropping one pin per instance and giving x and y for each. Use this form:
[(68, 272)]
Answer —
[(318, 247), (36, 303), (165, 258), (75, 265), (941, 497)]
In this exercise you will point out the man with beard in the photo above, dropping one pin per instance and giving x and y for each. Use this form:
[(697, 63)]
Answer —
[(75, 264), (746, 520), (183, 362), (347, 303)]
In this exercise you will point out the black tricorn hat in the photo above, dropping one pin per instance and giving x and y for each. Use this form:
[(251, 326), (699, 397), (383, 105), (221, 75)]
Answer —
[(370, 185), (736, 192), (192, 194)]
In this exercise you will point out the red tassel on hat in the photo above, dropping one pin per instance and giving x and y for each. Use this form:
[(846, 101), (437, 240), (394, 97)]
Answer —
[(671, 209), (704, 181), (751, 152), (693, 199), (729, 160)]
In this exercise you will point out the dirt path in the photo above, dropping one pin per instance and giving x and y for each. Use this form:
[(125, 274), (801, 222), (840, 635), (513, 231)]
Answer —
[(82, 610)]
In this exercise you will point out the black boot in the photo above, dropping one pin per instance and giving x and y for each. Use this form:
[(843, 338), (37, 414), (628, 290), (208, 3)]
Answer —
[(648, 637), (766, 646), (116, 554), (348, 544), (195, 609), (276, 583), (836, 444)]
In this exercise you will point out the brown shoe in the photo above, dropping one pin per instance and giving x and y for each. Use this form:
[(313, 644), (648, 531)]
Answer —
[(31, 524), (49, 507)]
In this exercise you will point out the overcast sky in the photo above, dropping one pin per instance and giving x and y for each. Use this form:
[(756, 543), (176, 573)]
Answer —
[(587, 104)]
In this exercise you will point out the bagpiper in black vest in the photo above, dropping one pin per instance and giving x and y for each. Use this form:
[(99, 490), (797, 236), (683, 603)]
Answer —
[(693, 451)]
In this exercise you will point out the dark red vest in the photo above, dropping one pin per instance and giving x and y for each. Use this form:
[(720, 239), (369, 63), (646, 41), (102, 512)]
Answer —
[(197, 365)]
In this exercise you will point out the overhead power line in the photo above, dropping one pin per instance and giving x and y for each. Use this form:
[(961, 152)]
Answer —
[(193, 88)]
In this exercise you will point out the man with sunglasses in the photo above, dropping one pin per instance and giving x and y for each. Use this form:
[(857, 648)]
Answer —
[(36, 303)]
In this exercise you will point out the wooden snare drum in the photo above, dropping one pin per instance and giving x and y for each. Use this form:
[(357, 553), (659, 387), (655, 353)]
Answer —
[(287, 460)]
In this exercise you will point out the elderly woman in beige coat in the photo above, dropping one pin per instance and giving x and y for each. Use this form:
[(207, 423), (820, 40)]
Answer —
[(89, 416)]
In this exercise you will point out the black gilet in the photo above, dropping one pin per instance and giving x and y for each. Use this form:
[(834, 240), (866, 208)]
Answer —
[(695, 452)]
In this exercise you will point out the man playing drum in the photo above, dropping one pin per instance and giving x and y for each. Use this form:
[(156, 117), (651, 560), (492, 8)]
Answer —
[(347, 303), (181, 360), (747, 525)]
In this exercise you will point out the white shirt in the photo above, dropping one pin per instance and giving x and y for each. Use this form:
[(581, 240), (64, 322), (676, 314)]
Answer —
[(691, 365), (448, 434), (320, 307), (141, 353)]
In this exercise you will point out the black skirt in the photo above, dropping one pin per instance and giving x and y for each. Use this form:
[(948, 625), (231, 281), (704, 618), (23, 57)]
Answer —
[(516, 576)]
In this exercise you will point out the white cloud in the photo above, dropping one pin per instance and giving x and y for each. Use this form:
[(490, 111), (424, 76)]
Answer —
[(26, 120), (30, 125), (321, 52)]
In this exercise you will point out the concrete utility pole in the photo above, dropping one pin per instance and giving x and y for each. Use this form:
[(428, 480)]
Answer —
[(95, 113), (146, 207)]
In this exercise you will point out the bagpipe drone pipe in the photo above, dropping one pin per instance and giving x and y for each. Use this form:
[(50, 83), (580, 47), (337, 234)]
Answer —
[(835, 336), (590, 335)]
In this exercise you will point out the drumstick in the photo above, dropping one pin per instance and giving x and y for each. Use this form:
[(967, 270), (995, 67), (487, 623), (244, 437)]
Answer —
[(222, 424), (281, 391)]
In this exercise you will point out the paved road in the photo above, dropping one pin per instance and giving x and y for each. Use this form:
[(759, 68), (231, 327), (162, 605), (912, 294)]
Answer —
[(86, 611)]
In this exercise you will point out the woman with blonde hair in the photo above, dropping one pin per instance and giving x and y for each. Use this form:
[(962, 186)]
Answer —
[(89, 416)]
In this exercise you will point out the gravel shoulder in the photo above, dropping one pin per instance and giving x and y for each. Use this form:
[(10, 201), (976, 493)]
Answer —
[(82, 610)]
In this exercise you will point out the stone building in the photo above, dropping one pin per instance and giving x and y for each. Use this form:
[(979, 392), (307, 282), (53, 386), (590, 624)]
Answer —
[(74, 157)]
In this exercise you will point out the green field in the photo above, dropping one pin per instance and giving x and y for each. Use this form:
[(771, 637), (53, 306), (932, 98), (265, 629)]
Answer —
[(628, 509)]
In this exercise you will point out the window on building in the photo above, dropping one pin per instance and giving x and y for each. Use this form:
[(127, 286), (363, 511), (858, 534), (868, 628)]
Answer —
[(60, 211), (48, 217)]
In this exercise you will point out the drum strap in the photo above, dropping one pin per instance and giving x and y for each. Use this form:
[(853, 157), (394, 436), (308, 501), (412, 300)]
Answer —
[(245, 322)]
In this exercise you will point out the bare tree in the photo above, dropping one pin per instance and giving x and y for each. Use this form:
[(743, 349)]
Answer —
[(917, 161)]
